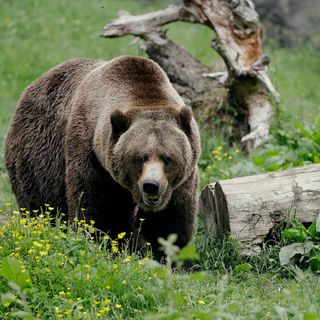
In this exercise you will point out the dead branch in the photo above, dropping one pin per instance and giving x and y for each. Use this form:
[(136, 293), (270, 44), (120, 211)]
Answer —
[(238, 41)]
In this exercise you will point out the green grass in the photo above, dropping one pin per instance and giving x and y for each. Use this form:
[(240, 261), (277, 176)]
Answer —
[(295, 73), (37, 35), (64, 274)]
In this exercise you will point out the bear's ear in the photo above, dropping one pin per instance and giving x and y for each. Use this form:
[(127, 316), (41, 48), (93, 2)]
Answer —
[(185, 117), (120, 123)]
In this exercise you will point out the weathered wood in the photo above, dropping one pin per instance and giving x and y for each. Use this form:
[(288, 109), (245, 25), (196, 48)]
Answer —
[(239, 33), (185, 72), (149, 22), (249, 207)]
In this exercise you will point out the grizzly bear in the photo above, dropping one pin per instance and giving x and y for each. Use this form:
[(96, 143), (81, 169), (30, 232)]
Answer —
[(113, 138)]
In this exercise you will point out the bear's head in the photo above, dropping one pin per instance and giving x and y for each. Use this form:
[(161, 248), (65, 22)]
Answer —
[(153, 152)]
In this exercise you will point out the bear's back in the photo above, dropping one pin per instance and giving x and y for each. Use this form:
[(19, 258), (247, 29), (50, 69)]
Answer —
[(53, 91), (35, 141), (137, 80)]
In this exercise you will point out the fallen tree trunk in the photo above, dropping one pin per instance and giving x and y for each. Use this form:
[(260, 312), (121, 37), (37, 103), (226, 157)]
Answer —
[(248, 208), (238, 41)]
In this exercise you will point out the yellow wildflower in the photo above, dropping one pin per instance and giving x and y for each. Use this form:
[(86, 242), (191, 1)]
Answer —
[(121, 235), (114, 246), (106, 301), (67, 312)]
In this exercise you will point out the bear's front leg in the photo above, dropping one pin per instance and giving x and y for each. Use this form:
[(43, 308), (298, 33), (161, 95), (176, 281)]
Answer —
[(90, 187), (178, 217)]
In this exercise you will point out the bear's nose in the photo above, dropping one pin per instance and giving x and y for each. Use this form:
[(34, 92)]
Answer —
[(151, 186)]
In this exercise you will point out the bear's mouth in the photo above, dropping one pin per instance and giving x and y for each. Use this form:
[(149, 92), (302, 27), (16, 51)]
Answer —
[(151, 200)]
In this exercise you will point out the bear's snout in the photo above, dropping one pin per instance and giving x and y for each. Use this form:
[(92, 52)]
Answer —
[(153, 183), (151, 187)]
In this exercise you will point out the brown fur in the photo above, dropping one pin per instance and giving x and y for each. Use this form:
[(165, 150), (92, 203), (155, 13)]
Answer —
[(75, 137)]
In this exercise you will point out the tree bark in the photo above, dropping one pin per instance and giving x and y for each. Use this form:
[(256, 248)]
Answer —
[(245, 84), (185, 72), (248, 208)]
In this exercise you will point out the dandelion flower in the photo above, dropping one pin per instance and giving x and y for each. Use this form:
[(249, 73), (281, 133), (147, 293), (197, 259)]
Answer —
[(114, 246), (121, 235)]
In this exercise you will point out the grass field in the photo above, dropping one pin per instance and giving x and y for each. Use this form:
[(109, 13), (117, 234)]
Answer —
[(65, 275)]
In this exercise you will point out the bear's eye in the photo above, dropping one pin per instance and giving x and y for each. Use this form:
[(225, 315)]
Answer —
[(167, 160), (140, 159)]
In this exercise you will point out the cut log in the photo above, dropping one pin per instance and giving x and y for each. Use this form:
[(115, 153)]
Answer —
[(247, 87), (248, 208)]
